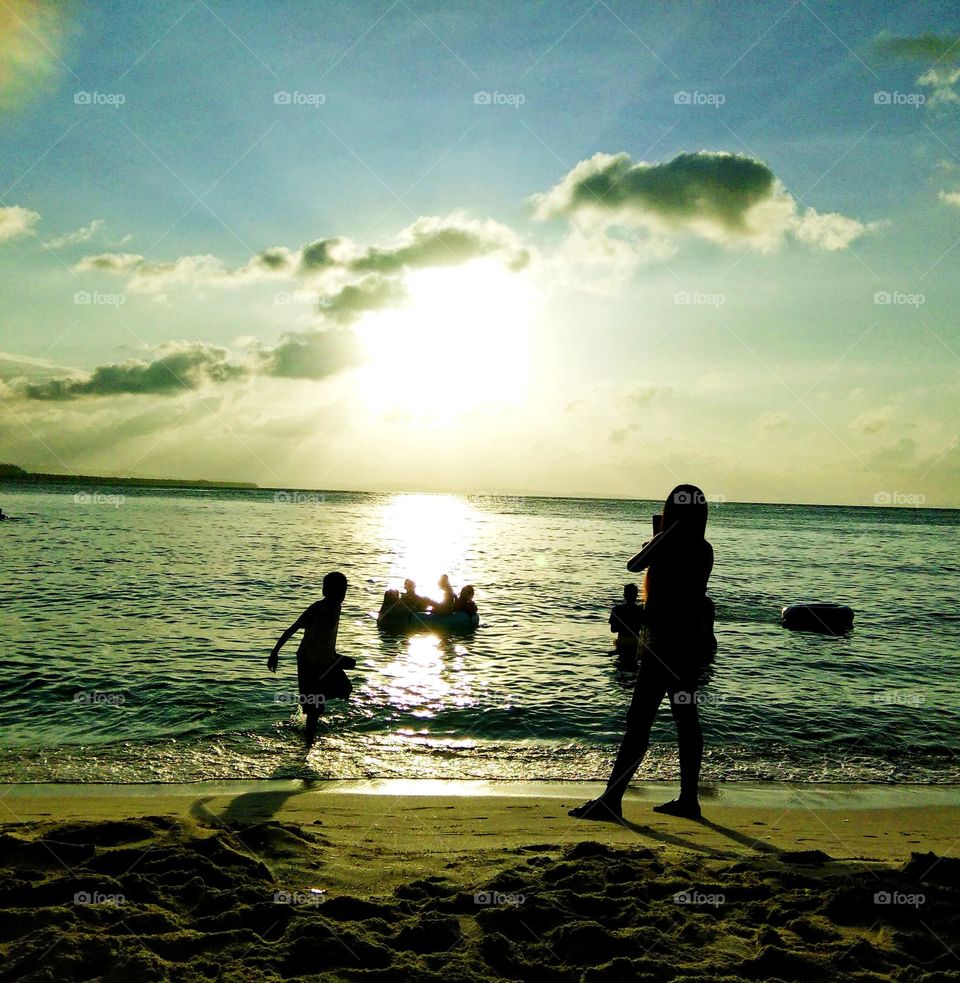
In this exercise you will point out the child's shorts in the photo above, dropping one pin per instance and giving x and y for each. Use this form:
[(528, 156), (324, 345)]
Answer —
[(318, 686)]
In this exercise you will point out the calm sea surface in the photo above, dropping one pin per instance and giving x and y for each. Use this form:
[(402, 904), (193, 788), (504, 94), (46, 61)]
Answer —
[(136, 626)]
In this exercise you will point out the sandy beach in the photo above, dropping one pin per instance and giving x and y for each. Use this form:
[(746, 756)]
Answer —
[(473, 881)]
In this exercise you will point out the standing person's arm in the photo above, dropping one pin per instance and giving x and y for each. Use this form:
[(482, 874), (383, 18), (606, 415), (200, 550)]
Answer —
[(284, 638), (642, 559)]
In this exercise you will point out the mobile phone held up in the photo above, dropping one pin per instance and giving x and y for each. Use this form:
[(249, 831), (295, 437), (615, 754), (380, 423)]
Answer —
[(657, 520)]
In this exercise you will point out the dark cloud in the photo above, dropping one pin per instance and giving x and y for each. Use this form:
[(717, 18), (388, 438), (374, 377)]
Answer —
[(443, 242), (720, 187), (182, 367), (316, 255), (370, 294), (273, 259), (311, 354), (720, 196)]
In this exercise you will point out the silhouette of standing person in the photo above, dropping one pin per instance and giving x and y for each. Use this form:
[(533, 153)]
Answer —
[(678, 645)]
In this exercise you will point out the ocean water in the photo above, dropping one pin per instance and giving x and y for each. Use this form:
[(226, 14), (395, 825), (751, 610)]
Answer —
[(136, 625)]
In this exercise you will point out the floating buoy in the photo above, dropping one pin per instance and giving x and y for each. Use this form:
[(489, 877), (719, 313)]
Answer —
[(828, 619)]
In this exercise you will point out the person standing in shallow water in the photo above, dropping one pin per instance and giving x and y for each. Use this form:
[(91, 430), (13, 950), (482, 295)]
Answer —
[(320, 674), (678, 645)]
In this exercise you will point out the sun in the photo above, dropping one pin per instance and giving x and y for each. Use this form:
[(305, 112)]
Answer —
[(461, 342)]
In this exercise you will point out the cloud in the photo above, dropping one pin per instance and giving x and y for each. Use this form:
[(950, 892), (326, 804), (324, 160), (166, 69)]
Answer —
[(899, 454), (318, 255), (31, 39), (645, 393), (941, 53), (873, 421), (150, 277), (16, 221), (830, 231), (429, 241), (14, 367), (950, 198), (181, 366), (83, 234), (718, 196), (447, 241), (311, 354), (771, 422), (188, 365), (369, 294)]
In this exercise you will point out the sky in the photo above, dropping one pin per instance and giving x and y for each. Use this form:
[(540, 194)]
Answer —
[(568, 248)]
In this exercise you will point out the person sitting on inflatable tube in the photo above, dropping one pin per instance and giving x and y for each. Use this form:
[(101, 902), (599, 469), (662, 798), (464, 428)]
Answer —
[(465, 602), (447, 605), (411, 600)]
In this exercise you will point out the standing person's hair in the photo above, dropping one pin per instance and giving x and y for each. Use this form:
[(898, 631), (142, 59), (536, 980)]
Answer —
[(685, 512), (683, 524)]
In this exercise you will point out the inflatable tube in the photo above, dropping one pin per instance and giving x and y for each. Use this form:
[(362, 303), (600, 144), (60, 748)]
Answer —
[(406, 621), (827, 619)]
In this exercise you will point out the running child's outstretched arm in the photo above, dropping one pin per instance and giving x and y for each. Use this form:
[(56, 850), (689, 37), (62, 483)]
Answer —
[(284, 638)]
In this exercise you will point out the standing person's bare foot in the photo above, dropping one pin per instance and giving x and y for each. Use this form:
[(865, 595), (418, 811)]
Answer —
[(684, 808), (599, 810)]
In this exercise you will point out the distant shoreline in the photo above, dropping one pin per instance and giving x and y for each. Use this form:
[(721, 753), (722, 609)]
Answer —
[(13, 473), (10, 472)]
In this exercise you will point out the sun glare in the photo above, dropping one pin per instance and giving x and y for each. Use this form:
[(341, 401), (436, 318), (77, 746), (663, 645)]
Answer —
[(426, 535), (460, 343)]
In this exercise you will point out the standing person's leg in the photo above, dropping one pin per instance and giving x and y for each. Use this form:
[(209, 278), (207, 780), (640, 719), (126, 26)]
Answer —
[(648, 693), (686, 715)]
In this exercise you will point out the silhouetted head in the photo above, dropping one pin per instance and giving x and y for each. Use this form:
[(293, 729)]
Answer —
[(630, 592), (467, 593), (335, 587), (409, 586), (444, 582), (685, 513)]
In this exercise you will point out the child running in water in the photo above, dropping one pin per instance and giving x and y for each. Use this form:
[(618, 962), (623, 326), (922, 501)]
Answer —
[(320, 672)]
